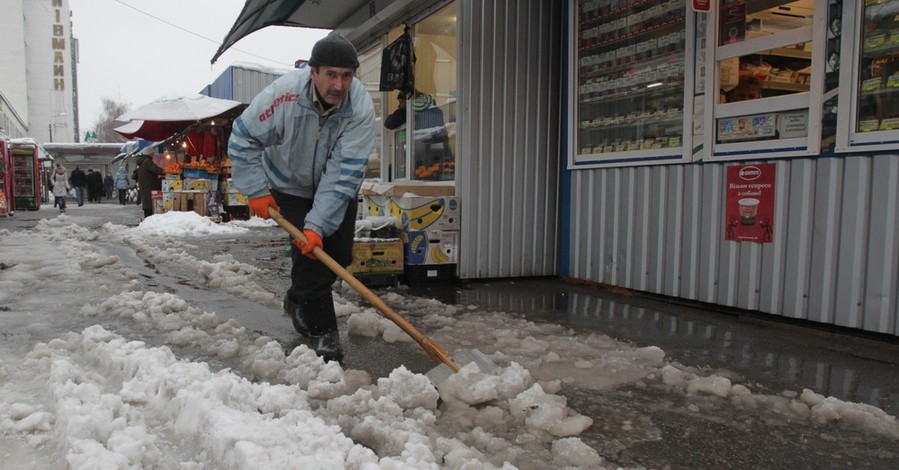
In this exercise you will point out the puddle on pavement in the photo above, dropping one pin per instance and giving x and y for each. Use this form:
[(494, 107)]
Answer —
[(783, 357)]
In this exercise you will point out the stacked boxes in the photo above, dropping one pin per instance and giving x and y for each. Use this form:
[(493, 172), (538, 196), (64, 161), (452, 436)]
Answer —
[(197, 201), (429, 230), (416, 212), (195, 192)]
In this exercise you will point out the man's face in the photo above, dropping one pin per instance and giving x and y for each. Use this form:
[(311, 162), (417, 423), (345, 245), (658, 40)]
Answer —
[(332, 83)]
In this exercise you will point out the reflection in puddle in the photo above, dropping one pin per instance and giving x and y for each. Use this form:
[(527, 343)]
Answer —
[(778, 359)]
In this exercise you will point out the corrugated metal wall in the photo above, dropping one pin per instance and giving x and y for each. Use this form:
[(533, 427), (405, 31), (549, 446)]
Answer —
[(240, 84), (660, 229), (509, 60)]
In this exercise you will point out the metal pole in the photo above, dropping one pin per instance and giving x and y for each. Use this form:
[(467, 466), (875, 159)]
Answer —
[(50, 128)]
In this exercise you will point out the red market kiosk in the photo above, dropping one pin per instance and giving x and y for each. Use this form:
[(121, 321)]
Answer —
[(26, 175), (7, 206)]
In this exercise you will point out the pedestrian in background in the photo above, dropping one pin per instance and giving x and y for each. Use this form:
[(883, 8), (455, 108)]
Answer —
[(149, 179), (94, 186), (109, 185), (60, 182), (122, 183), (78, 180), (280, 150)]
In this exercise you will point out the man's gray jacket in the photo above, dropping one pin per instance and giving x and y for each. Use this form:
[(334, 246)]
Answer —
[(279, 142)]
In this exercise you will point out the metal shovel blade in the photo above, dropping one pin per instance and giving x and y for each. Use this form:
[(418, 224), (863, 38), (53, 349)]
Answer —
[(462, 357)]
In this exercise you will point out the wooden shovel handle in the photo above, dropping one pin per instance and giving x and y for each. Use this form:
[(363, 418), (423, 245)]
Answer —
[(430, 346)]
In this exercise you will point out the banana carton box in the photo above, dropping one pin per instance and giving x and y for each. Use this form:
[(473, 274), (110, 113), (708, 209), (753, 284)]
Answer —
[(228, 186), (168, 201), (430, 246), (375, 206), (383, 256), (235, 199), (416, 212), (197, 184), (172, 185)]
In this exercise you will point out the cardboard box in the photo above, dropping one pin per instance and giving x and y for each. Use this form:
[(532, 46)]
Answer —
[(168, 201), (197, 184), (158, 203), (186, 201), (377, 257), (415, 213), (399, 190), (426, 213), (235, 199), (228, 186), (431, 247), (172, 185), (375, 206)]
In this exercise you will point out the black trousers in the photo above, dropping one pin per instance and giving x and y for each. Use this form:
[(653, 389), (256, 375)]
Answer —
[(310, 279)]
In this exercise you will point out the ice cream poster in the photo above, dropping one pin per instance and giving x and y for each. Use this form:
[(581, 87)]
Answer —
[(749, 207)]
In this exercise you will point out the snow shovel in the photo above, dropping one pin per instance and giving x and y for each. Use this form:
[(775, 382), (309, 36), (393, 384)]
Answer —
[(437, 375)]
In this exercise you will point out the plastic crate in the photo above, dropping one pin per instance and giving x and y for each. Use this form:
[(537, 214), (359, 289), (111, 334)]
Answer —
[(195, 173), (418, 274)]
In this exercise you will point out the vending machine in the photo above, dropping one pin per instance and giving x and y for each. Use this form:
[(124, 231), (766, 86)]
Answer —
[(26, 175), (6, 200)]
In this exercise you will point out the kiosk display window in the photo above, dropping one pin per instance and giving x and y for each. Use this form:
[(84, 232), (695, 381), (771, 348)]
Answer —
[(873, 39), (630, 65), (766, 78)]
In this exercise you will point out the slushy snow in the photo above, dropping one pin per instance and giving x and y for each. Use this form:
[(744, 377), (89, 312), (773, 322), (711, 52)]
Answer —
[(145, 379)]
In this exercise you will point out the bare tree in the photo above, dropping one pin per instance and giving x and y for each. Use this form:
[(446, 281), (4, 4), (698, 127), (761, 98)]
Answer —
[(105, 124)]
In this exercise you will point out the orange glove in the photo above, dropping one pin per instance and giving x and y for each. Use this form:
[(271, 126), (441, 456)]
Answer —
[(260, 205), (312, 240)]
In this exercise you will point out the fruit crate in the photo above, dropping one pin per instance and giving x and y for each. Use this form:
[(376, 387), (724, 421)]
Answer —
[(194, 173)]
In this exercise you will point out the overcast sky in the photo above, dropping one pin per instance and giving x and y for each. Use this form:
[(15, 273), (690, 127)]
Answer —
[(136, 51)]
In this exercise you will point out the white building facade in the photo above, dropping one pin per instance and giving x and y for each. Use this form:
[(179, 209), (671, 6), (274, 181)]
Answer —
[(38, 71)]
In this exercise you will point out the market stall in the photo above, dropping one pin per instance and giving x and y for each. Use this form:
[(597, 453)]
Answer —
[(191, 135)]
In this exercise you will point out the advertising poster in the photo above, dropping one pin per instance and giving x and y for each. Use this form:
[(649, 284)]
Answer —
[(732, 22), (749, 205)]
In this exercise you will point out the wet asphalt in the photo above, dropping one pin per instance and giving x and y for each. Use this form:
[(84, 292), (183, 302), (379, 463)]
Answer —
[(771, 353)]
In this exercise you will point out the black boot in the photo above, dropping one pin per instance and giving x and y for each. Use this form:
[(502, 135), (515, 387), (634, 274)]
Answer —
[(293, 311), (319, 316), (327, 346)]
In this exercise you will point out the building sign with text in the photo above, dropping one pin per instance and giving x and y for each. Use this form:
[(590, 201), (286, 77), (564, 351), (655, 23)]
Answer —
[(749, 206)]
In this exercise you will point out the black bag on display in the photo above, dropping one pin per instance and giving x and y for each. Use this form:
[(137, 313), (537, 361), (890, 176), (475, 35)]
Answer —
[(396, 65)]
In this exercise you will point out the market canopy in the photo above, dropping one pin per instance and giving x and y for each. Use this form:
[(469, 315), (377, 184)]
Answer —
[(166, 116), (192, 107), (257, 14), (151, 130)]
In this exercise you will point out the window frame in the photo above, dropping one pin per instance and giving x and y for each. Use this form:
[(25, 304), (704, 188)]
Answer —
[(809, 101)]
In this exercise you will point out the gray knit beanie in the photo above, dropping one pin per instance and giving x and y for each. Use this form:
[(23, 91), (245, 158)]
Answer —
[(334, 50)]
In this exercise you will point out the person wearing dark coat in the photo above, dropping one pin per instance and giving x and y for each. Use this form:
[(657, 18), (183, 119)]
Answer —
[(94, 186), (108, 185), (78, 180), (149, 178)]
